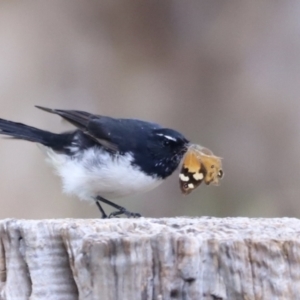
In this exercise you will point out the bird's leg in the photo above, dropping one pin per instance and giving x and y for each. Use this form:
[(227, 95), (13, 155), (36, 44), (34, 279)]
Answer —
[(104, 215), (120, 210)]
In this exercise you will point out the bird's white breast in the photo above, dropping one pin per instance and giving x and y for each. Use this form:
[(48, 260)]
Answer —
[(97, 173)]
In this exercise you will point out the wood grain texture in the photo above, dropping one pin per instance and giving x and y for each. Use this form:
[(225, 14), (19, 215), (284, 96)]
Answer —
[(180, 258)]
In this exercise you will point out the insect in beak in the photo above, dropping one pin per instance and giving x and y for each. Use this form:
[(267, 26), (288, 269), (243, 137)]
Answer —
[(199, 164)]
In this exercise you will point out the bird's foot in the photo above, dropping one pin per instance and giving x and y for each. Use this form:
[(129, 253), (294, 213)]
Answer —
[(125, 212)]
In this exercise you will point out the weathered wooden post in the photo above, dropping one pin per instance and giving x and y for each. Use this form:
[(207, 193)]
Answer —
[(180, 258)]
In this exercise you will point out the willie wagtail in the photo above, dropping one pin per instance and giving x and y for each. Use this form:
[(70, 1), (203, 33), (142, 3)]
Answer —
[(106, 158)]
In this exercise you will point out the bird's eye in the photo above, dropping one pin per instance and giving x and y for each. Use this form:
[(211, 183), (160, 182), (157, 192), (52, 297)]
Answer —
[(166, 142)]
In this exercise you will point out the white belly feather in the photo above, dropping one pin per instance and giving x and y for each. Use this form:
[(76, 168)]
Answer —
[(95, 172)]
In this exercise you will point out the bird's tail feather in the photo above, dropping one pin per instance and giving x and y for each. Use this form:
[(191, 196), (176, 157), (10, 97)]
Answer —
[(25, 132)]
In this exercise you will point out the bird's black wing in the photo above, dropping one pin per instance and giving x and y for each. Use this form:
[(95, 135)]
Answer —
[(84, 121), (115, 134), (80, 119)]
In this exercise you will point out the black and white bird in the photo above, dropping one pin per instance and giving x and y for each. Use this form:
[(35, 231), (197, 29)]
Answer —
[(106, 158)]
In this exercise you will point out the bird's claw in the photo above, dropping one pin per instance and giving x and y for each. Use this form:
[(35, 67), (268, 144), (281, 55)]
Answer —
[(125, 212)]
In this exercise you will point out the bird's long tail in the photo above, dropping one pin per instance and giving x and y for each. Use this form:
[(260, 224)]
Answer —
[(25, 132)]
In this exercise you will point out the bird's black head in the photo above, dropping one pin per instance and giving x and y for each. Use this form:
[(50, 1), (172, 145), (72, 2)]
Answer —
[(165, 140), (164, 151)]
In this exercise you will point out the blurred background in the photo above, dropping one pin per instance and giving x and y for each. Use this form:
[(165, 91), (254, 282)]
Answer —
[(224, 73)]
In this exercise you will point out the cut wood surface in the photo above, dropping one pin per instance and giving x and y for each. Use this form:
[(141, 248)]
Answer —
[(179, 258)]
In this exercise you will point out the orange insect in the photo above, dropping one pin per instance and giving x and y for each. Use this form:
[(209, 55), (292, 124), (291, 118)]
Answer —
[(199, 164)]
